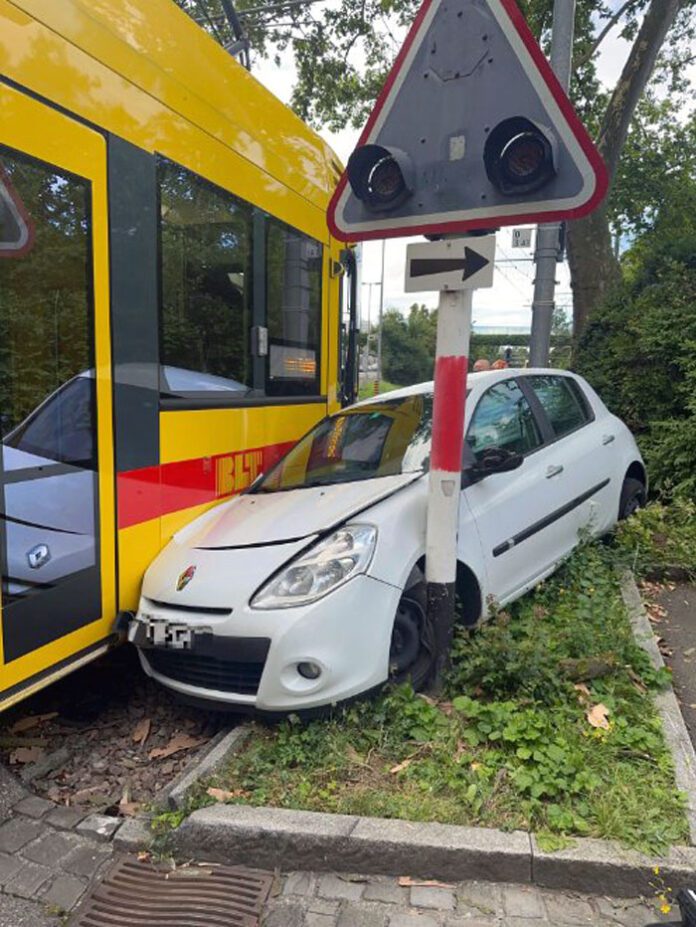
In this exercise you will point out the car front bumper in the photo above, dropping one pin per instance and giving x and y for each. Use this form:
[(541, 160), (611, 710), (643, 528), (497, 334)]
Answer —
[(249, 660)]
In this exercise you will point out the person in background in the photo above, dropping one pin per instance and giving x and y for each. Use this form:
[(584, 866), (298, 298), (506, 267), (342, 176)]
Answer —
[(499, 364), (482, 364)]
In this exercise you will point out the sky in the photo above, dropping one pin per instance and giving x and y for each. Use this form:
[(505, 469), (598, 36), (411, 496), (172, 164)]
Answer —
[(507, 304)]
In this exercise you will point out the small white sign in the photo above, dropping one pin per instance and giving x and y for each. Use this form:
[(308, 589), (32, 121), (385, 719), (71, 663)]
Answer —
[(457, 264), (522, 238)]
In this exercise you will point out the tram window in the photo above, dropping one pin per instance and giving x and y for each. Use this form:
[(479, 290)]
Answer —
[(206, 236), (46, 316), (294, 269)]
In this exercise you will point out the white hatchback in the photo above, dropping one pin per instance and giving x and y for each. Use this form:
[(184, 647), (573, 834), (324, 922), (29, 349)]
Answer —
[(308, 589)]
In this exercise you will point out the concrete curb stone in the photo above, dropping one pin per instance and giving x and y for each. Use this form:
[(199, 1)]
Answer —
[(676, 734), (205, 764)]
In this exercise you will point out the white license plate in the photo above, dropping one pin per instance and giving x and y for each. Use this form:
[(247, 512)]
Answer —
[(162, 633)]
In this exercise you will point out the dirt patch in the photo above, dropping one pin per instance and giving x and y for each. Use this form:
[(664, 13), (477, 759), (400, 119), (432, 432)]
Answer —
[(106, 738)]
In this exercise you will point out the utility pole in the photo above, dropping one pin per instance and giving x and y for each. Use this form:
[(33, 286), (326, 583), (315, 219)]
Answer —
[(381, 312), (548, 235)]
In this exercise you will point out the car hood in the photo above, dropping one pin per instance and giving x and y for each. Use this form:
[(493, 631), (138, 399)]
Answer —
[(260, 519)]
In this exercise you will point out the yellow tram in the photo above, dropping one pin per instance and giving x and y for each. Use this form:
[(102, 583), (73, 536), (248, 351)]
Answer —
[(169, 306)]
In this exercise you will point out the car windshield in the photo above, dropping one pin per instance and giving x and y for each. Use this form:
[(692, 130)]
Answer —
[(380, 439)]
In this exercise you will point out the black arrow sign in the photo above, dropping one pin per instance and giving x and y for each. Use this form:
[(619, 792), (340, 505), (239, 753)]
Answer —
[(470, 264)]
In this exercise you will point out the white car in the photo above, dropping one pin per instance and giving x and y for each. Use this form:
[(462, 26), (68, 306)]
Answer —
[(309, 589)]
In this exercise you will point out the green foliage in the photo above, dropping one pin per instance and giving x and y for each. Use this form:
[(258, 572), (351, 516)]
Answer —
[(408, 345), (511, 747), (639, 351), (660, 540)]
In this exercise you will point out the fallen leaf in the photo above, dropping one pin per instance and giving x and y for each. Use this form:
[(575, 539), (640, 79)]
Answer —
[(129, 808), (584, 694), (690, 652), (399, 766), (223, 795), (446, 708), (142, 731), (408, 882), (143, 856), (26, 755), (26, 724), (176, 744), (598, 716)]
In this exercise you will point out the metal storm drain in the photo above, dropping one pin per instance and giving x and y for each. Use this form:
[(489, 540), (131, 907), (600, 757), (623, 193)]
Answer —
[(136, 893)]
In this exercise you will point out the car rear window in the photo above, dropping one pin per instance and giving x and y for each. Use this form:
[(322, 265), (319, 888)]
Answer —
[(562, 401)]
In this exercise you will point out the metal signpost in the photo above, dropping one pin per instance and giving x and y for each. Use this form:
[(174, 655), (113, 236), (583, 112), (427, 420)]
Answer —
[(472, 131)]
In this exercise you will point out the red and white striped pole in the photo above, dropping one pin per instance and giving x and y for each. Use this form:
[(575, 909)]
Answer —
[(451, 362)]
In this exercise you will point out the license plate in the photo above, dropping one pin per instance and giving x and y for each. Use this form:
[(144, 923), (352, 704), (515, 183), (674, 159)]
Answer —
[(162, 633)]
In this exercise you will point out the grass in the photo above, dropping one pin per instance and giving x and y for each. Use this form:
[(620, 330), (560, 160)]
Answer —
[(510, 744), (368, 389)]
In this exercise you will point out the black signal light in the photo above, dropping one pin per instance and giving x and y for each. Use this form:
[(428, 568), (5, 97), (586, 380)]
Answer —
[(519, 157), (381, 177)]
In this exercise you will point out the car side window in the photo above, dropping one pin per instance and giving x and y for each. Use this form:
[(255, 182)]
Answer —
[(503, 418), (564, 406)]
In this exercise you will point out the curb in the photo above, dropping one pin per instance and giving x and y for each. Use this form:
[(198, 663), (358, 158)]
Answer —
[(217, 752), (676, 734), (307, 840)]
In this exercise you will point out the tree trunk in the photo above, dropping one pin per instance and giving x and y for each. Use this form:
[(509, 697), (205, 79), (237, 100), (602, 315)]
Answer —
[(594, 268)]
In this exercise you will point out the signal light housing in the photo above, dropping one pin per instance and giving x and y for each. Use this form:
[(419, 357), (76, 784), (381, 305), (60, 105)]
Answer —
[(381, 177), (519, 157)]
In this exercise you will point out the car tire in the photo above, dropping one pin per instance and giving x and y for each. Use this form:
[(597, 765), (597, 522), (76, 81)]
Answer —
[(632, 497), (410, 658)]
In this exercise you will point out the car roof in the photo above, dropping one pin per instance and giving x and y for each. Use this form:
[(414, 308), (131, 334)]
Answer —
[(482, 378)]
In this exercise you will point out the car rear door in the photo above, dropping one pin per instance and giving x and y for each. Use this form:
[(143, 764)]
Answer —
[(515, 512), (578, 438)]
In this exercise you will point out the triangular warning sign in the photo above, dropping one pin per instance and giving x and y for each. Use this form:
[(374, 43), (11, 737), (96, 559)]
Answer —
[(16, 227), (472, 130)]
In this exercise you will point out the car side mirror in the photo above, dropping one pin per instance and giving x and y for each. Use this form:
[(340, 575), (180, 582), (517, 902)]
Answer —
[(493, 460)]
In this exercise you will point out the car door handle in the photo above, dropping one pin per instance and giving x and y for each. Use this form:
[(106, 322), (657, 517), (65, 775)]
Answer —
[(553, 471), (607, 439)]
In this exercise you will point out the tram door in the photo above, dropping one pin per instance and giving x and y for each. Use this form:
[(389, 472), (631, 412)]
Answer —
[(56, 471)]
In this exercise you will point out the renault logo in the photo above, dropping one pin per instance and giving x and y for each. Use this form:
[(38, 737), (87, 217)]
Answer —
[(185, 578)]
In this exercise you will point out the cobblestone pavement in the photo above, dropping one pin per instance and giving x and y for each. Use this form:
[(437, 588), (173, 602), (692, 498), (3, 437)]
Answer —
[(329, 900), (48, 856)]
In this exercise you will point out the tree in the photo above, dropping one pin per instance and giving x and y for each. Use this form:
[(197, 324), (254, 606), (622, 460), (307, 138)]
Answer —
[(408, 345), (342, 52)]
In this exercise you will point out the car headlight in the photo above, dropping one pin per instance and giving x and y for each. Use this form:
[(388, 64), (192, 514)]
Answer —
[(320, 570)]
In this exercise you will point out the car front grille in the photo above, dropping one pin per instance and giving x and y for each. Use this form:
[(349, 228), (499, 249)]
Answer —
[(207, 672)]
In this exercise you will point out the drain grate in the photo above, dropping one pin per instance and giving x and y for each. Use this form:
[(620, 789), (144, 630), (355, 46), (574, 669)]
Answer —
[(137, 893)]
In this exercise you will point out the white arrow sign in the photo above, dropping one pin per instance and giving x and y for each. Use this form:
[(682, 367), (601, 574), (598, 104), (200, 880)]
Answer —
[(459, 264)]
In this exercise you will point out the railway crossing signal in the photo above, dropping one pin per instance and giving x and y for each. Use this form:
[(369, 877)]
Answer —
[(472, 130), (16, 228)]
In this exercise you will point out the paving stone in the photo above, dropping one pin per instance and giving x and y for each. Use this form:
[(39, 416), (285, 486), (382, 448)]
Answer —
[(50, 848), (427, 896), (412, 919), (86, 859), (286, 914), (319, 920), (65, 818), (8, 866), (331, 886), (522, 902), (628, 912), (568, 909), (356, 915), (27, 882), (524, 922), (18, 912), (34, 807), (300, 883), (463, 920), (387, 890), (17, 833), (322, 906), (99, 827), (480, 898), (65, 892)]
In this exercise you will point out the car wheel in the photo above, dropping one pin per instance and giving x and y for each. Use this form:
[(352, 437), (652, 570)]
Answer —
[(410, 659), (632, 498)]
